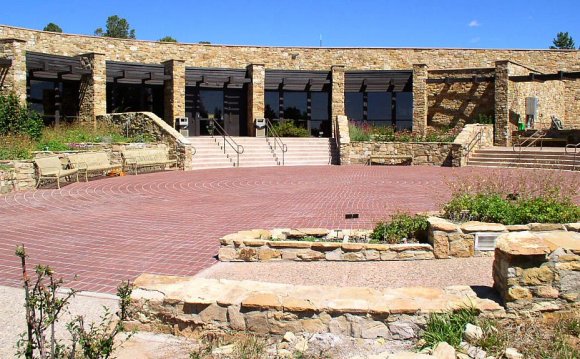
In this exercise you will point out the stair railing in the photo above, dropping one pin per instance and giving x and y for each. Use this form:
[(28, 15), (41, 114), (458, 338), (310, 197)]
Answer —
[(278, 143), (538, 135), (575, 153), (216, 127), (474, 141)]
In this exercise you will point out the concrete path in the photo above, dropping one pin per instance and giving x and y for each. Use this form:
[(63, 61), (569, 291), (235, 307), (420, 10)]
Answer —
[(113, 229)]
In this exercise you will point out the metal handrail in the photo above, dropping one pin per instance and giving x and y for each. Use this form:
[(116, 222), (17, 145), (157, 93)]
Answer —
[(474, 141), (277, 139), (537, 135), (239, 149), (575, 147)]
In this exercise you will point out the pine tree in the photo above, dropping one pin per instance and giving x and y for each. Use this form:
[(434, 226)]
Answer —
[(563, 40), (167, 39), (51, 26), (116, 27)]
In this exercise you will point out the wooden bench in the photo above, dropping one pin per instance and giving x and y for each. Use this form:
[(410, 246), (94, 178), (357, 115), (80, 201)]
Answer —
[(86, 162), (403, 159), (137, 158), (51, 167)]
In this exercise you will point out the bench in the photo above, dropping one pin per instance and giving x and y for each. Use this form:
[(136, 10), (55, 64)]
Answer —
[(86, 162), (401, 158), (51, 167), (137, 158)]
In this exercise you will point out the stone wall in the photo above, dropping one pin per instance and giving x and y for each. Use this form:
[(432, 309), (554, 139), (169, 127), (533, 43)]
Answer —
[(16, 176), (188, 305), (258, 245), (455, 104), (291, 58), (468, 142), (147, 123), (538, 272), (550, 94), (423, 153)]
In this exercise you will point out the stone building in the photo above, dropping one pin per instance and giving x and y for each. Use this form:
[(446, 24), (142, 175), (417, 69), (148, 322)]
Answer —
[(67, 76)]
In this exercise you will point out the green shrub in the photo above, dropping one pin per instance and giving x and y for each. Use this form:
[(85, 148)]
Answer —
[(483, 119), (383, 134), (448, 327), (401, 226), (17, 119), (359, 132), (16, 147), (289, 129), (495, 208)]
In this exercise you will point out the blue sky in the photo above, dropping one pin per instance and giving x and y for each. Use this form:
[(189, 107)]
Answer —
[(374, 23)]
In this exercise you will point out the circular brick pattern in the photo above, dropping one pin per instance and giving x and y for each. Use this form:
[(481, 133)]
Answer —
[(113, 229)]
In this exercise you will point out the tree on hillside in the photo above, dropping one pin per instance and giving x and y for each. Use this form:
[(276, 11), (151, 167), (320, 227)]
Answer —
[(167, 39), (204, 42), (51, 26), (117, 27), (563, 40)]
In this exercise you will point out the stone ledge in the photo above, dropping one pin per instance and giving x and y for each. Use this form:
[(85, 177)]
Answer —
[(273, 308)]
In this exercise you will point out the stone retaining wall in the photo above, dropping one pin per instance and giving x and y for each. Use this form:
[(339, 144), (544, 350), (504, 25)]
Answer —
[(186, 305), (423, 153), (149, 124), (16, 176), (538, 272)]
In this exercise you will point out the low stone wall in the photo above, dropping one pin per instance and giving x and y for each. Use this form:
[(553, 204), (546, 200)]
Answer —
[(149, 124), (16, 176), (467, 142), (186, 305), (538, 272), (423, 153), (257, 245), (458, 240)]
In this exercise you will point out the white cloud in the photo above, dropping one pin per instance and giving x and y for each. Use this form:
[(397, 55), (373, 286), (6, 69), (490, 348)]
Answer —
[(474, 23)]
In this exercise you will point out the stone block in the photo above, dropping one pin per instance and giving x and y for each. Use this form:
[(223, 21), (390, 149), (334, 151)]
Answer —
[(267, 254), (403, 330), (474, 226), (236, 319), (374, 330), (537, 276), (573, 227), (262, 301), (289, 244), (226, 254), (517, 228), (314, 325), (388, 255), (248, 254), (352, 247), (310, 255), (257, 322), (335, 255), (254, 242), (292, 304), (440, 224), (440, 241), (325, 246), (314, 232), (542, 227), (353, 256), (462, 248), (214, 313), (444, 351), (547, 292), (339, 326), (518, 293), (372, 255), (288, 255)]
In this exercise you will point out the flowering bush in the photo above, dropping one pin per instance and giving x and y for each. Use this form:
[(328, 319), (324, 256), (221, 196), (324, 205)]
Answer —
[(364, 131)]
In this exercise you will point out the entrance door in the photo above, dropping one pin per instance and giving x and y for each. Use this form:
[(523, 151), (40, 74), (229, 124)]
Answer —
[(235, 112), (227, 106)]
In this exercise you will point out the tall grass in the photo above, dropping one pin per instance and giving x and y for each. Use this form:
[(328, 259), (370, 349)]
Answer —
[(448, 327)]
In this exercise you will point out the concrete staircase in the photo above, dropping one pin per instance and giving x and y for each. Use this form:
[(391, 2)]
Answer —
[(531, 157), (258, 152)]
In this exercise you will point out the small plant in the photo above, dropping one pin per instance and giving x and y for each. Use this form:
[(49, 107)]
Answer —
[(448, 327), (287, 128), (483, 119), (44, 304), (359, 131), (402, 225), (250, 347), (17, 119)]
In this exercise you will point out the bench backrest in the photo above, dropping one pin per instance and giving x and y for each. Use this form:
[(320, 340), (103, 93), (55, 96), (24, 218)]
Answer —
[(145, 154), (91, 159), (50, 165)]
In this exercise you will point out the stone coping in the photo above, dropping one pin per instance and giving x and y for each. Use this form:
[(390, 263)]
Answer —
[(539, 243), (251, 295), (285, 244)]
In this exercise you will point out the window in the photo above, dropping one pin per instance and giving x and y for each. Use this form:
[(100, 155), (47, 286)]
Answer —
[(48, 97), (381, 108)]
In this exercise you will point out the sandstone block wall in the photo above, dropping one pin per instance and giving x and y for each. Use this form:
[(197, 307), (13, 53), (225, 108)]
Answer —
[(423, 153), (538, 272), (147, 123), (472, 137), (17, 176), (455, 104)]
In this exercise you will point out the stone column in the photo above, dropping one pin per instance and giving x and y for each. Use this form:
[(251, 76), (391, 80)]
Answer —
[(337, 101), (420, 104), (501, 133), (93, 91), (13, 77), (174, 91), (256, 95)]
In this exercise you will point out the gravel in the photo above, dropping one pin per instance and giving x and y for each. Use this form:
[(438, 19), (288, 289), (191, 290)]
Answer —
[(476, 271)]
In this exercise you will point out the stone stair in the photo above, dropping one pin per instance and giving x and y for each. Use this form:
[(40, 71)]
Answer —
[(546, 158), (259, 152)]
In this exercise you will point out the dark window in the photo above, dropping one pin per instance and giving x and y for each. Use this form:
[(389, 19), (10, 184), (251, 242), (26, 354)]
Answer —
[(49, 97), (404, 111), (379, 108), (354, 106), (131, 98), (226, 106), (272, 110)]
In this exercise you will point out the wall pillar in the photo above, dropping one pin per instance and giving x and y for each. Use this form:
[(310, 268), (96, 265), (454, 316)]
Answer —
[(256, 95), (420, 104), (13, 77), (174, 91), (337, 92), (501, 133), (93, 90)]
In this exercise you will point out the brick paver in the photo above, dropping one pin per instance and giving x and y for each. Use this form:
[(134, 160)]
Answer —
[(112, 229)]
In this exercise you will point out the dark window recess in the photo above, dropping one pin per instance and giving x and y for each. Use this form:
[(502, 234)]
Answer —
[(54, 100), (226, 106), (383, 98), (133, 97)]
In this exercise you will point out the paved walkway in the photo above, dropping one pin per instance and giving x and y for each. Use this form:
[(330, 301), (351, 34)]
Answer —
[(113, 229)]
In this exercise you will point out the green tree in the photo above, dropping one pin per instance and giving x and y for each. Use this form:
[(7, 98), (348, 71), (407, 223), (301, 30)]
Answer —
[(563, 40), (116, 27), (167, 39), (51, 26)]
